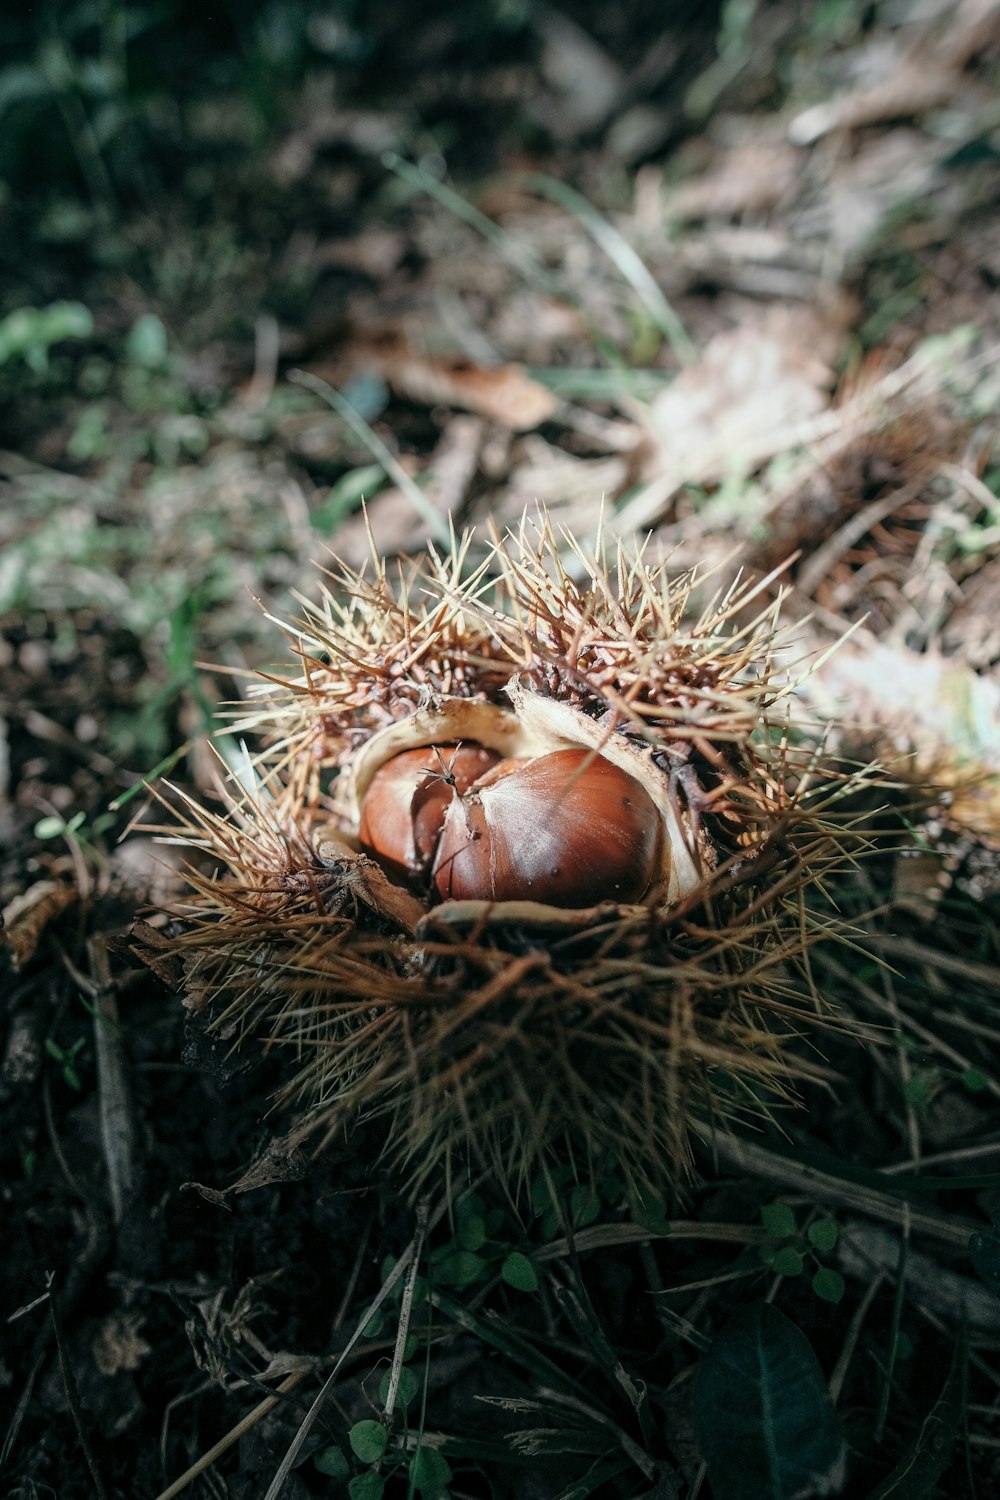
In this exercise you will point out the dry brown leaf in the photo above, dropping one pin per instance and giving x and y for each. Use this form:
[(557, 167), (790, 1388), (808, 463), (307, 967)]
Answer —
[(158, 953), (504, 394), (501, 393), (280, 1161), (893, 167), (25, 919), (917, 86)]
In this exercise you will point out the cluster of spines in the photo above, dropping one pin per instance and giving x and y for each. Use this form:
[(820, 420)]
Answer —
[(478, 1040)]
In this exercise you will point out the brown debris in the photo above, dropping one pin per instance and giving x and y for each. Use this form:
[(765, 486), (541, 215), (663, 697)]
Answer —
[(25, 919), (503, 394)]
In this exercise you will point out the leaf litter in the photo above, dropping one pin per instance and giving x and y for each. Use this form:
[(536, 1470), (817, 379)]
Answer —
[(816, 242)]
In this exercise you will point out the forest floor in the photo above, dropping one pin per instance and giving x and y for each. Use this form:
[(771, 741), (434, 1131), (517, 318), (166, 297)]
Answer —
[(733, 283)]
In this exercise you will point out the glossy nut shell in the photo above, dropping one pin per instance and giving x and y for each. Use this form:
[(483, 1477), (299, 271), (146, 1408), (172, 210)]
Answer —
[(567, 829), (403, 812)]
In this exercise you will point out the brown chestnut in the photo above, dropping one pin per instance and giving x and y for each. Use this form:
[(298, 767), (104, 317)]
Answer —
[(565, 829), (404, 808)]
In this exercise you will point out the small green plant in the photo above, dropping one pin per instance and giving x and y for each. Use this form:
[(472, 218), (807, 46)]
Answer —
[(66, 1058), (789, 1249), (387, 1454), (30, 332), (81, 838)]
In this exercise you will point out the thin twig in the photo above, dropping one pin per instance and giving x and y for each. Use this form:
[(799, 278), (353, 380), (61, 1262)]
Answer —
[(839, 1373), (405, 1311), (295, 1447), (233, 1436)]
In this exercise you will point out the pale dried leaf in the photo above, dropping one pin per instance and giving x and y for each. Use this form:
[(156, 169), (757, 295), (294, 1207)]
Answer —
[(923, 79), (917, 86), (918, 884), (888, 170), (280, 1161), (586, 82), (375, 252), (25, 919), (118, 1344), (925, 716), (726, 413), (23, 1055), (746, 179), (864, 1249), (570, 487), (389, 519)]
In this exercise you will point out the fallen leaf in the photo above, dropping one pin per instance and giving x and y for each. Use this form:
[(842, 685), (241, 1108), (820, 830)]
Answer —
[(390, 520), (746, 179), (281, 1161), (502, 393), (920, 80), (738, 405), (118, 1344), (158, 953), (926, 717)]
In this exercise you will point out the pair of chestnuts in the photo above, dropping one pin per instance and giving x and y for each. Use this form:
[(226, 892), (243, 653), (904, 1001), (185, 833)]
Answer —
[(538, 803), (568, 828)]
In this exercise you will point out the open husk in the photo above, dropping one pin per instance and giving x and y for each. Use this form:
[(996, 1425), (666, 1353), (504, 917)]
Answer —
[(503, 1033)]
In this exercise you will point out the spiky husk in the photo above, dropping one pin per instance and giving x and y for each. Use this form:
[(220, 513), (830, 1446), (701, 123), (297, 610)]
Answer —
[(500, 1035)]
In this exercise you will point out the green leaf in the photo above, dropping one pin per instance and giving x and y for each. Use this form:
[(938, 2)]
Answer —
[(494, 1221), (146, 344), (346, 495), (333, 1462), (471, 1232), (543, 1185), (975, 1080), (984, 1252), (763, 1419), (519, 1272), (409, 1385), (30, 331), (829, 1285), (50, 827), (470, 1205), (368, 1440), (787, 1262), (779, 1220), (460, 1269), (649, 1210), (921, 1088), (429, 1470), (366, 1486), (584, 1206), (822, 1234)]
